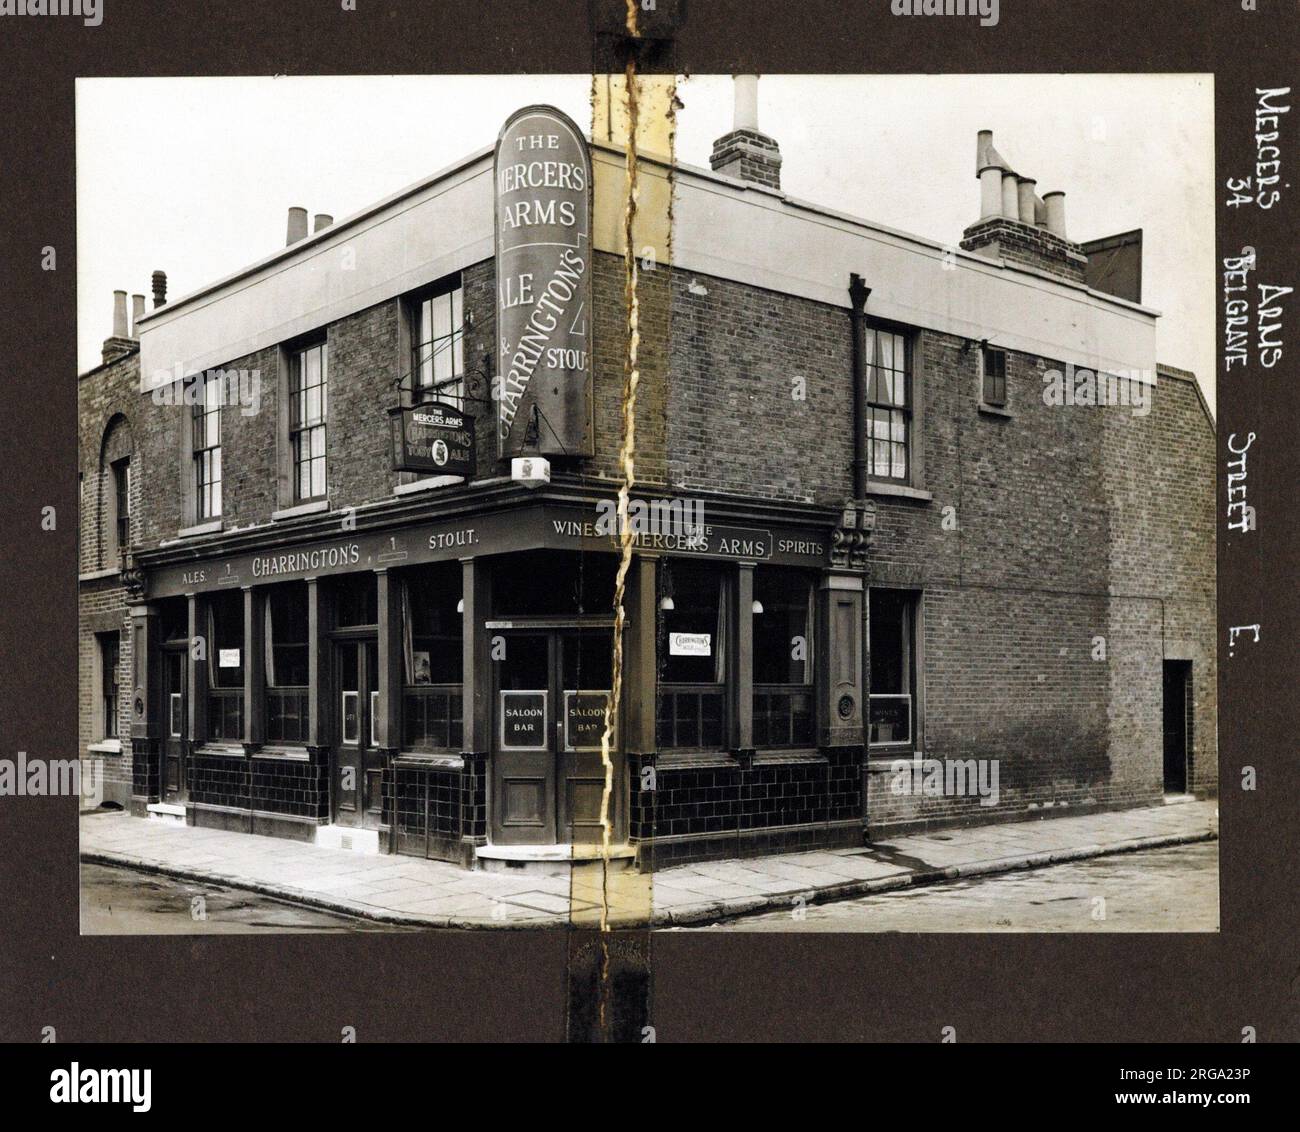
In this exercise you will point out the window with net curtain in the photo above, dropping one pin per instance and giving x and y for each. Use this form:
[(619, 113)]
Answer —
[(783, 657), (286, 663), (692, 655), (889, 404), (432, 658)]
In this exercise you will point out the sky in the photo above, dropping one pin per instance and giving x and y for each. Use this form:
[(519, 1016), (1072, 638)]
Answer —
[(196, 176)]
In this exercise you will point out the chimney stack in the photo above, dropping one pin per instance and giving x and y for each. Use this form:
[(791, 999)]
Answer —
[(323, 221), (1015, 224), (119, 342), (746, 152), (297, 226), (159, 289), (137, 313)]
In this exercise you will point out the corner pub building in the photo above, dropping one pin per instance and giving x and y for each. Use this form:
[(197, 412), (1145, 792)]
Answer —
[(347, 571)]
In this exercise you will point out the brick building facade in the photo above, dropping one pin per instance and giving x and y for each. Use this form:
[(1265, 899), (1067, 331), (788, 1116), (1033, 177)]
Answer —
[(910, 550)]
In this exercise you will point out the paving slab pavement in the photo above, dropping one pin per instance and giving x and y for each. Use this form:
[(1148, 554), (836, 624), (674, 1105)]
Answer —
[(410, 890)]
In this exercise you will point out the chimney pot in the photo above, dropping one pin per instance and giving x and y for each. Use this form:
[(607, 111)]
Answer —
[(1055, 202), (323, 220), (119, 314), (746, 94), (137, 313), (1010, 196), (297, 229), (1027, 198), (159, 289)]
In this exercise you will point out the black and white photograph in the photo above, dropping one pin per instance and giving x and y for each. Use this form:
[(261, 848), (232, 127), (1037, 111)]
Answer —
[(647, 522), (899, 550)]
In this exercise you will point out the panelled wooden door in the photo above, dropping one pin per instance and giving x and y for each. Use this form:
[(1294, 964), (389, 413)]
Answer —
[(549, 693), (358, 767), (175, 729)]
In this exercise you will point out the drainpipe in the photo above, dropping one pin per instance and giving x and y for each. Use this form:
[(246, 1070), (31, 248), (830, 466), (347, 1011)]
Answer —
[(858, 295)]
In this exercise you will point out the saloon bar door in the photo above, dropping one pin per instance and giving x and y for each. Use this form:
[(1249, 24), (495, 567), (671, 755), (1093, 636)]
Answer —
[(358, 781), (547, 776)]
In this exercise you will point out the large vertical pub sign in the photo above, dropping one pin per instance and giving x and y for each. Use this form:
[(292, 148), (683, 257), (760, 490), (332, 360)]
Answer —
[(543, 261)]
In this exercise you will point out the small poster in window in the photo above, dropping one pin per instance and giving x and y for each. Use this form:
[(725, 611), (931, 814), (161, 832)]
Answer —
[(690, 644), (423, 668), (228, 658)]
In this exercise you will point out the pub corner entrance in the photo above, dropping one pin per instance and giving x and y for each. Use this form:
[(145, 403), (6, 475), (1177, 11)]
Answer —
[(550, 684)]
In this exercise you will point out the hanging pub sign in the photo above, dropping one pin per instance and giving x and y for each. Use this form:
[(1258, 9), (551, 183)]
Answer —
[(543, 266), (434, 438)]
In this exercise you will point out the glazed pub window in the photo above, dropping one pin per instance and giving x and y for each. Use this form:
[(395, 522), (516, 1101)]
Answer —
[(286, 663), (893, 663), (308, 408), (225, 647), (889, 404), (110, 653), (207, 452), (993, 387), (438, 346), (783, 658), (122, 505), (432, 659), (692, 656)]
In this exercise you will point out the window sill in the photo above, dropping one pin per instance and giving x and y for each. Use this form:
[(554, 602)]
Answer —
[(429, 760), (881, 760), (427, 484), (770, 756), (208, 528), (685, 760), (898, 491), (995, 411), (96, 575), (283, 753), (225, 750), (106, 747), (315, 507)]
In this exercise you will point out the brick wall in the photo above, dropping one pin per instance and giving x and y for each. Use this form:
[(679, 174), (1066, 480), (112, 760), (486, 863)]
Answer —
[(107, 403), (1068, 528)]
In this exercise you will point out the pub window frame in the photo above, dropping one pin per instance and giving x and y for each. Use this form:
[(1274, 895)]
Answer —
[(438, 707), (429, 349), (121, 484), (912, 660), (993, 376), (674, 697), (109, 691), (307, 426), (888, 410), (205, 446), (226, 707), (798, 729), (293, 697)]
